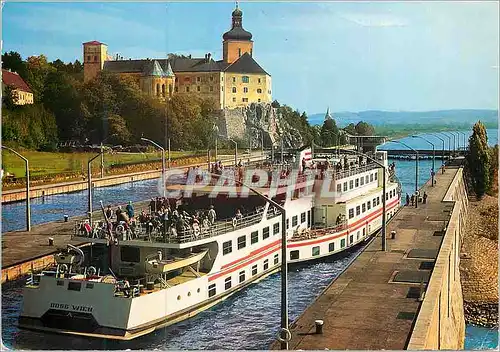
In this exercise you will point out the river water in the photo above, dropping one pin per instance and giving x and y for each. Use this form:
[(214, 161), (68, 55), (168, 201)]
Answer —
[(248, 320)]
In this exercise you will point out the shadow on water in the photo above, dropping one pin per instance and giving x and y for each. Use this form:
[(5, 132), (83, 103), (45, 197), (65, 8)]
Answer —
[(250, 319)]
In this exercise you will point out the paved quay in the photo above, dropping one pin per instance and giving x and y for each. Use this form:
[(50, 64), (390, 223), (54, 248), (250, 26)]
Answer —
[(375, 302)]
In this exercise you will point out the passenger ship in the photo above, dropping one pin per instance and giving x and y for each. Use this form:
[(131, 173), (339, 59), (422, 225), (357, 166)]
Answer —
[(158, 279)]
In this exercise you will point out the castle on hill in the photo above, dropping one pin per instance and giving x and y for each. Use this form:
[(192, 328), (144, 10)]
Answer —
[(235, 81)]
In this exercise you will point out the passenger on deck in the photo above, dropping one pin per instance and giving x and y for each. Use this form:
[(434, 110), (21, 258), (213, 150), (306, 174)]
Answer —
[(109, 213), (130, 210), (407, 199), (212, 216), (238, 215)]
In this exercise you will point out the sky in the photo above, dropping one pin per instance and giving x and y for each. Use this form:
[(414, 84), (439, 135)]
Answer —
[(349, 56)]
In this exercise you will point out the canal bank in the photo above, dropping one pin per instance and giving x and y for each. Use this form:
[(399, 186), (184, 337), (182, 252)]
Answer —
[(377, 302)]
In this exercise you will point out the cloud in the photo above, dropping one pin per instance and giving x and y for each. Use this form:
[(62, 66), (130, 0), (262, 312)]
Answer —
[(375, 20)]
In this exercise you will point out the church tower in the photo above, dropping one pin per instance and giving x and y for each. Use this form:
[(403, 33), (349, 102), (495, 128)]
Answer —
[(94, 55), (237, 41)]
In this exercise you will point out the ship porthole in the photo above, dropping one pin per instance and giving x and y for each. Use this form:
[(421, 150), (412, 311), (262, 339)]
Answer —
[(198, 290), (179, 297), (189, 294)]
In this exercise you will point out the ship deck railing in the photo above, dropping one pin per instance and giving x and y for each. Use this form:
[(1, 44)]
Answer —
[(317, 232), (143, 232)]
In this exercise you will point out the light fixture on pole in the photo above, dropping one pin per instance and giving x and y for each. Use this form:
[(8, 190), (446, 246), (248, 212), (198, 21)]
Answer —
[(27, 172), (449, 143), (162, 162), (442, 155), (215, 129), (89, 187), (433, 157), (102, 153), (416, 167)]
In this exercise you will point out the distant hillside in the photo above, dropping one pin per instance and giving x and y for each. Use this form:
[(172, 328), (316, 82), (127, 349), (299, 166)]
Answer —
[(441, 118)]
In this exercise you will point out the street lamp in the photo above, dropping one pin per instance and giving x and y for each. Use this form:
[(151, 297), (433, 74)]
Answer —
[(454, 148), (285, 332), (89, 177), (442, 155), (449, 143), (465, 140), (235, 151), (433, 156), (102, 153), (27, 170), (384, 170), (215, 129), (416, 167), (162, 162)]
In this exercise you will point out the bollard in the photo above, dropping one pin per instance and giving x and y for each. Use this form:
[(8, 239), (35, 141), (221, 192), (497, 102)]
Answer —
[(319, 326), (51, 241), (66, 217), (393, 235)]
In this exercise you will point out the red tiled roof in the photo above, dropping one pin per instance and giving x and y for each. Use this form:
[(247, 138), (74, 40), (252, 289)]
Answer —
[(14, 80), (94, 42)]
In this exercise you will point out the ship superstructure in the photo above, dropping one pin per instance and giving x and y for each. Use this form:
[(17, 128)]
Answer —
[(161, 274)]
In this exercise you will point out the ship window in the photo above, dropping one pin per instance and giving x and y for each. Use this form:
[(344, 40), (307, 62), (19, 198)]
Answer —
[(245, 79), (242, 242), (366, 179), (242, 276), (276, 228), (362, 181), (265, 232), (357, 237), (276, 259), (351, 239), (179, 297), (386, 195), (363, 207), (74, 286), (339, 188), (211, 290), (227, 247), (358, 210), (294, 221), (364, 232), (254, 237), (375, 175), (254, 270), (89, 285), (294, 255), (351, 184), (227, 283), (266, 264), (357, 182), (315, 251), (345, 186), (287, 223), (130, 254), (60, 283), (351, 213), (303, 217), (371, 177), (331, 247), (374, 202), (342, 243), (368, 205)]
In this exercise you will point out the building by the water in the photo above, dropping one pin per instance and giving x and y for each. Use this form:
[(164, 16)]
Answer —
[(236, 80)]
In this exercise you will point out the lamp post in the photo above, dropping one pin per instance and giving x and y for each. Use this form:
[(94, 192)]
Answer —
[(384, 171), (449, 143), (442, 140), (89, 186), (454, 148), (465, 140), (416, 167), (27, 170), (285, 332), (215, 129), (433, 157), (102, 153), (162, 162), (235, 151)]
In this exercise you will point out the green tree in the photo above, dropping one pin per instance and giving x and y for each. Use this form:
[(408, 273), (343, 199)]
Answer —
[(493, 188), (329, 133), (9, 98), (478, 160), (364, 129), (14, 62)]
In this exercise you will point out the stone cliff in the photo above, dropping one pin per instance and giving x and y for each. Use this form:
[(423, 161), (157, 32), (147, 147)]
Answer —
[(256, 119)]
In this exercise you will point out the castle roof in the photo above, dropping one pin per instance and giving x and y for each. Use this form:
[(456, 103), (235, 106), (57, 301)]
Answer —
[(245, 64), (153, 68), (94, 42), (237, 32), (15, 81)]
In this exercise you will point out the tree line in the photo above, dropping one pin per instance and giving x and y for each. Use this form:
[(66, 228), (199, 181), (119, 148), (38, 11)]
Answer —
[(113, 108)]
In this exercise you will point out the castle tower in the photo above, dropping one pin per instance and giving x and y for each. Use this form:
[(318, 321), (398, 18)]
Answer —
[(237, 41), (170, 79), (94, 55), (155, 82)]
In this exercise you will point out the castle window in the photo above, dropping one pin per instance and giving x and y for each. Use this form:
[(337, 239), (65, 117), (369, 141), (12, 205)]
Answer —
[(211, 88), (187, 79), (198, 88), (176, 89), (234, 100), (88, 57), (169, 89), (158, 89), (222, 89), (198, 79), (187, 89), (259, 90), (245, 90), (95, 58), (234, 89), (211, 78), (234, 79), (258, 80), (163, 90), (258, 100), (245, 79), (245, 100)]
